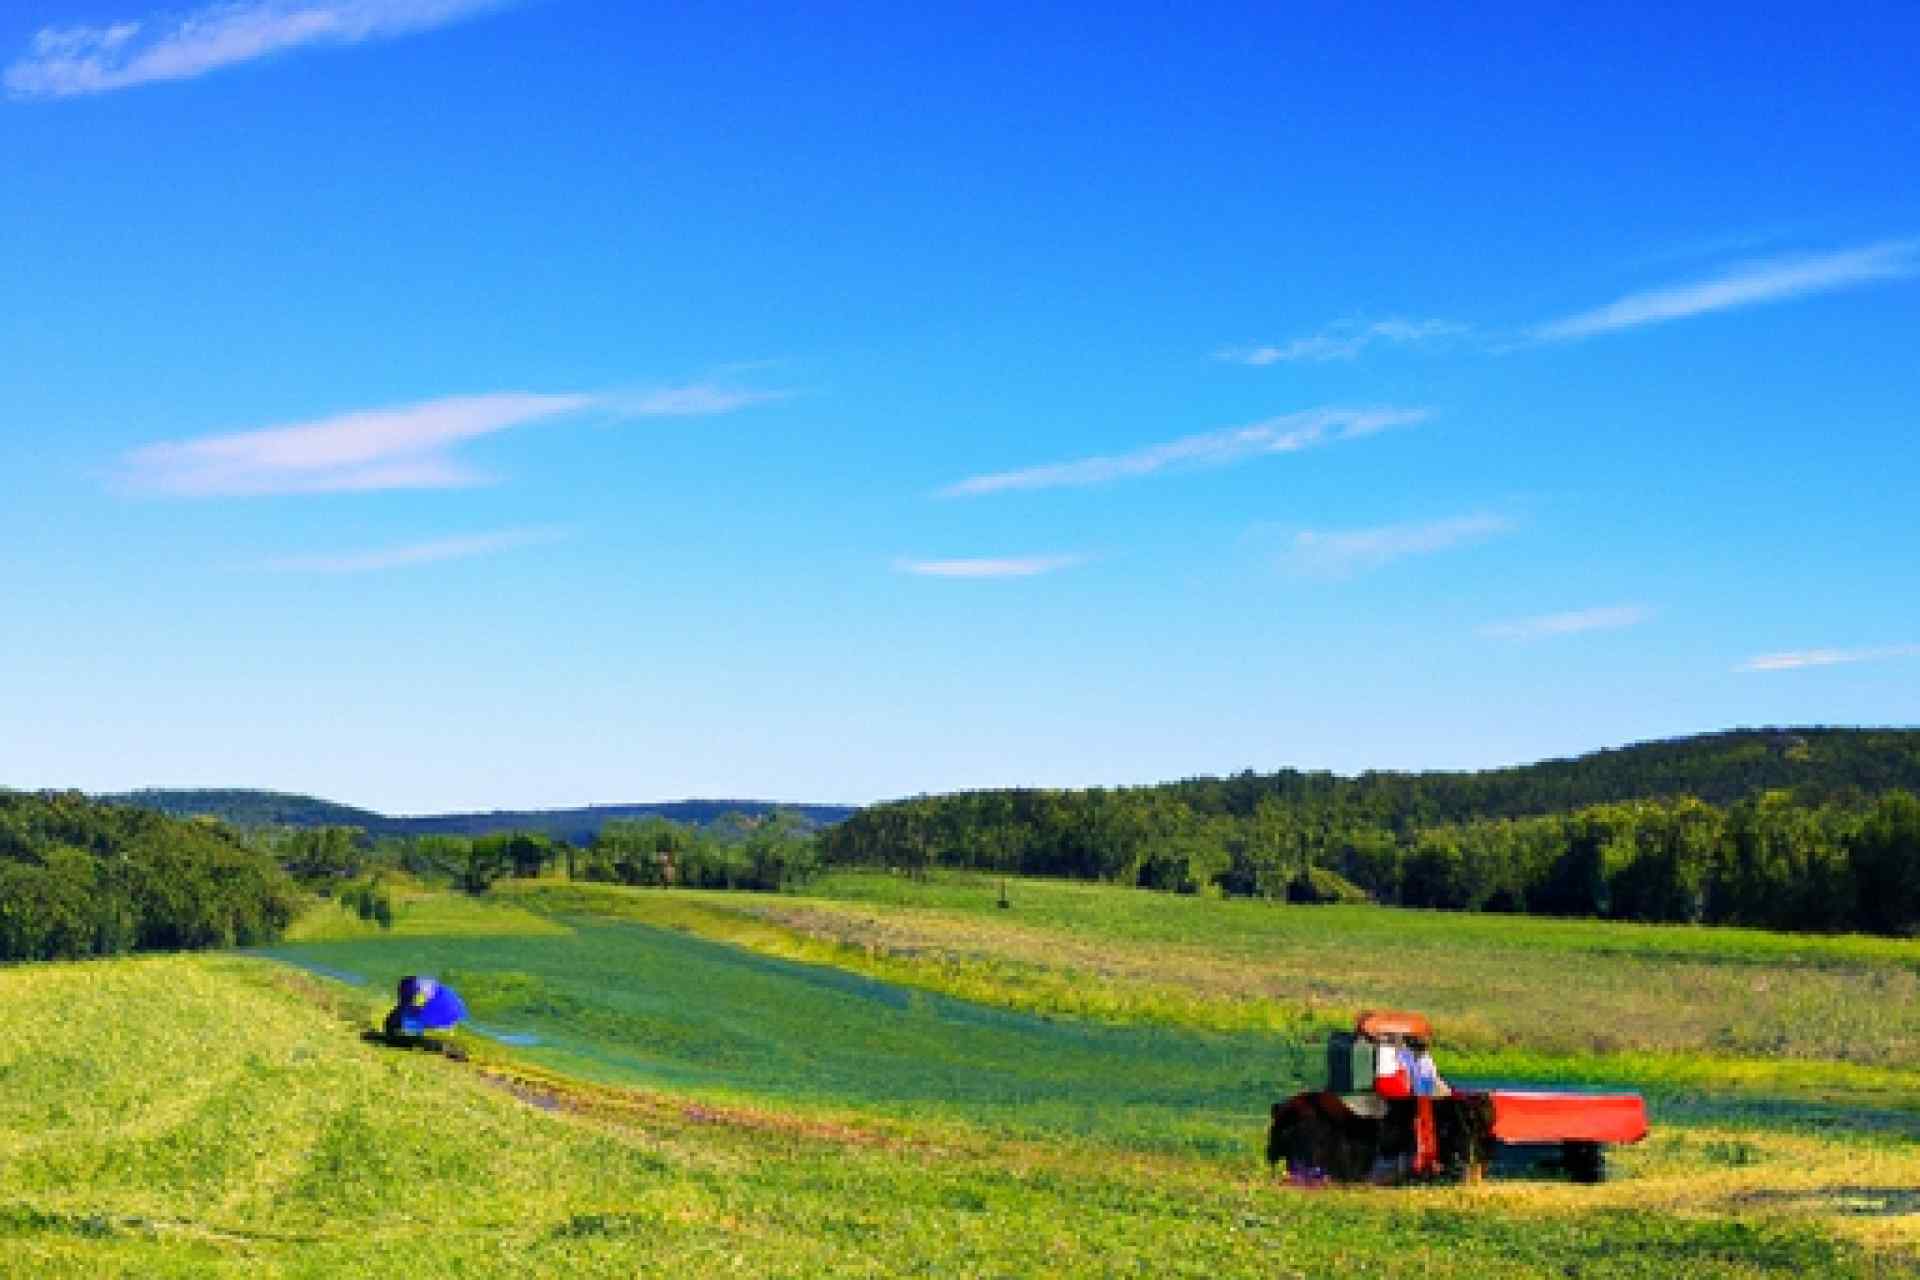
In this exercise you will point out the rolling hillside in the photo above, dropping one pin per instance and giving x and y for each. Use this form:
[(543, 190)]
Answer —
[(250, 808), (1817, 764), (890, 1078)]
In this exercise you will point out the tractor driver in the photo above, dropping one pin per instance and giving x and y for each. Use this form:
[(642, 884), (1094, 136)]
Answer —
[(1407, 1071)]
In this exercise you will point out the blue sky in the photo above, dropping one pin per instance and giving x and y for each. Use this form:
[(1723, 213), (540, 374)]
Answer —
[(437, 404)]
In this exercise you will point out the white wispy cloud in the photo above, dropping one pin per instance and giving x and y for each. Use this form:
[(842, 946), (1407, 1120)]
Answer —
[(63, 62), (416, 553), (1286, 434), (1341, 552), (1344, 341), (1008, 567), (1561, 624), (405, 447), (696, 400), (1748, 285), (1796, 659)]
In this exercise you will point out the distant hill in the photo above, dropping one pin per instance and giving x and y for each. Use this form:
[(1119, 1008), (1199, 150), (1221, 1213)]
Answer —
[(580, 825), (245, 808), (1778, 828), (1818, 765), (1847, 767), (248, 808)]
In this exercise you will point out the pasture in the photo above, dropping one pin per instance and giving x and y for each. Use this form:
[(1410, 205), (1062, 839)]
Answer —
[(887, 1077)]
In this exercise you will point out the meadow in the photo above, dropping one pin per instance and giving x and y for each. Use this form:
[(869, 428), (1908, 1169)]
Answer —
[(886, 1077)]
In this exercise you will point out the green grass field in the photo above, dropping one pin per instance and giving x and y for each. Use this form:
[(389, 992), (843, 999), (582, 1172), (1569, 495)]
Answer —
[(890, 1078)]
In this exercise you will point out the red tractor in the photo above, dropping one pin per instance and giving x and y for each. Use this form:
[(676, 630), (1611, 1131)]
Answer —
[(1386, 1116)]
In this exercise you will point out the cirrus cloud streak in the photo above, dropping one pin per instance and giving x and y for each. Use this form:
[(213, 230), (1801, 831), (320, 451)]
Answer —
[(402, 447), (64, 62), (1800, 658), (1343, 341), (1748, 285), (1288, 433), (1569, 623), (988, 567), (1341, 553)]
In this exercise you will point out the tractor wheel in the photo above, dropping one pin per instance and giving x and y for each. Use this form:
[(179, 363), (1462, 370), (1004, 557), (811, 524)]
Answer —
[(1584, 1161), (1314, 1143)]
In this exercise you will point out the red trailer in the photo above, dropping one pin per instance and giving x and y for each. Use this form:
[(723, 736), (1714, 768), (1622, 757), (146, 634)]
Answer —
[(1386, 1116)]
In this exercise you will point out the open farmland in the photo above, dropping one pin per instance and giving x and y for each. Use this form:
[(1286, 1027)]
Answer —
[(887, 1077)]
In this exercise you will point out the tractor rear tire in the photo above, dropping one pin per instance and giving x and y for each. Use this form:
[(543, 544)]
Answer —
[(1584, 1161), (1317, 1140)]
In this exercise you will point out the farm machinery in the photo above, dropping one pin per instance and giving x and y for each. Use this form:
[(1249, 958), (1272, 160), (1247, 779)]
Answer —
[(1387, 1116)]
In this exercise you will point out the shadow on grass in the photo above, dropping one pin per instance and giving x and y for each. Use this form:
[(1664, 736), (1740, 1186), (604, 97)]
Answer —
[(417, 1044), (1841, 1198)]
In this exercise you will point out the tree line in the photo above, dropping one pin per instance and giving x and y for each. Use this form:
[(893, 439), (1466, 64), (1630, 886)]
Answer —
[(78, 878), (769, 851), (1800, 829), (83, 878), (1847, 768), (253, 810), (1769, 860)]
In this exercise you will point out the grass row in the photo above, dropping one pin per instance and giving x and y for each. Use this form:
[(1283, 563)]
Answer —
[(1592, 1015), (1249, 924)]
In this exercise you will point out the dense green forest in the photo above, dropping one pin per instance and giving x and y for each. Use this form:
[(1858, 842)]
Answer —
[(1817, 766), (775, 850), (80, 878), (1799, 829), (247, 808), (1770, 860)]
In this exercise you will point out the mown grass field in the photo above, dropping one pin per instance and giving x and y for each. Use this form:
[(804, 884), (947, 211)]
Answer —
[(891, 1078)]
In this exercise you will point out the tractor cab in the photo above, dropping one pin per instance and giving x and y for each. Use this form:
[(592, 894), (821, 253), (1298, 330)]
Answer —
[(1388, 1054)]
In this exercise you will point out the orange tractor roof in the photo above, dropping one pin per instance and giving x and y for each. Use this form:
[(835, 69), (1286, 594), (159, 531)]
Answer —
[(1378, 1024)]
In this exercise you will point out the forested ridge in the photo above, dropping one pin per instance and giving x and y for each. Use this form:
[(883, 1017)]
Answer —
[(1816, 765), (1785, 828), (247, 808), (1819, 765)]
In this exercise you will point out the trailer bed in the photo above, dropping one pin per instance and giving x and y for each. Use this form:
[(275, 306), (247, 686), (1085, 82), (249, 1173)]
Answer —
[(1523, 1116)]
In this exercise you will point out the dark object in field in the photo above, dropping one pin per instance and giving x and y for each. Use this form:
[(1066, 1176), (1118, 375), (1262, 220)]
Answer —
[(1386, 1116), (424, 1004)]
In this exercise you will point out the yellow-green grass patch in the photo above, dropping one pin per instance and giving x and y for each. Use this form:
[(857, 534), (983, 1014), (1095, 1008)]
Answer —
[(1672, 1019), (211, 1116)]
